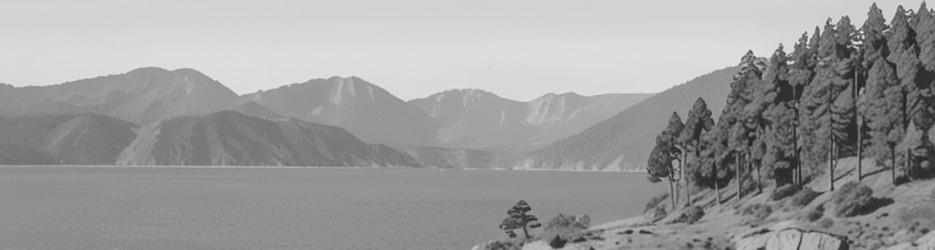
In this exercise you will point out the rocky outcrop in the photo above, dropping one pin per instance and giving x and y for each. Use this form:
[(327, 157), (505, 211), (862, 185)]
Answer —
[(792, 239)]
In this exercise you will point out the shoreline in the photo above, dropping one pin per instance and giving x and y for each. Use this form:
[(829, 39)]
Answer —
[(320, 167)]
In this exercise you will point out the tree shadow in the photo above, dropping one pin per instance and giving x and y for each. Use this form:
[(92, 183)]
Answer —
[(875, 203), (729, 197), (877, 171), (845, 174)]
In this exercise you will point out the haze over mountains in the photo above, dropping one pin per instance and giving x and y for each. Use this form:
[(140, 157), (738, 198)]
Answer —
[(474, 118), (153, 116)]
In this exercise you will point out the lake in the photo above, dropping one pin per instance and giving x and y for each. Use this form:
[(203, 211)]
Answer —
[(292, 208)]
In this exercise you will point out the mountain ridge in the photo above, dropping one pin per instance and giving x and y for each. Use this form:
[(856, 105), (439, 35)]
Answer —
[(619, 143)]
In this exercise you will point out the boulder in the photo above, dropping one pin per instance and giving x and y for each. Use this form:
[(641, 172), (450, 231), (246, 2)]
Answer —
[(792, 239)]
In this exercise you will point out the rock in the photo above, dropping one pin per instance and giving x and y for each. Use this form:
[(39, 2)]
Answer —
[(792, 239), (818, 240), (537, 245)]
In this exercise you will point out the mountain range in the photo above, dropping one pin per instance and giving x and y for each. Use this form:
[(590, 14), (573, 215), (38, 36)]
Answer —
[(473, 118), (154, 116)]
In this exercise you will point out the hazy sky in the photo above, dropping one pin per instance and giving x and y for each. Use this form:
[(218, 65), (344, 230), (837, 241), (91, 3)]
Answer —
[(518, 49)]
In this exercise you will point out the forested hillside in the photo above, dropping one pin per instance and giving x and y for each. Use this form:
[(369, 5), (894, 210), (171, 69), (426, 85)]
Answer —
[(843, 91)]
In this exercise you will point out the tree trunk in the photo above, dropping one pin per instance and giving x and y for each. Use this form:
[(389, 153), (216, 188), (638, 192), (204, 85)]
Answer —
[(860, 149), (682, 165), (688, 194), (830, 115), (860, 125), (908, 165), (717, 187), (831, 164), (672, 192), (759, 180), (893, 163), (795, 140), (737, 174), (525, 232)]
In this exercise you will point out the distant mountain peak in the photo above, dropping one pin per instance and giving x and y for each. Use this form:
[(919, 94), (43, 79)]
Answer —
[(148, 70), (370, 112)]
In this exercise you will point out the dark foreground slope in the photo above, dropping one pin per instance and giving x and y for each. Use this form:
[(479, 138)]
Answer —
[(80, 139), (231, 138), (621, 141)]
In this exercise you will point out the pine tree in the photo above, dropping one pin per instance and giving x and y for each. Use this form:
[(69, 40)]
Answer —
[(883, 100), (921, 109), (775, 142), (659, 168), (698, 121), (904, 54), (518, 219), (873, 48), (801, 73), (667, 150), (818, 98)]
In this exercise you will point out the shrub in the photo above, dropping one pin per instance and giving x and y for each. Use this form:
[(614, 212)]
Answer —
[(852, 199), (566, 227), (813, 214), (658, 214), (655, 202), (784, 191), (803, 197), (691, 215), (759, 212), (826, 223)]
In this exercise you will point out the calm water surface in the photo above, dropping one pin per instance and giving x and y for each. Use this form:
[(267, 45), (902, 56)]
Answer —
[(287, 208)]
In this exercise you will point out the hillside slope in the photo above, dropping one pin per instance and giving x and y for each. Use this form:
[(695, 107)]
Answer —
[(623, 141), (231, 138), (83, 139)]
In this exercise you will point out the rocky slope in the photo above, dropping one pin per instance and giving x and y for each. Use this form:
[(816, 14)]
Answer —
[(473, 118), (230, 138), (368, 111), (892, 217), (619, 143)]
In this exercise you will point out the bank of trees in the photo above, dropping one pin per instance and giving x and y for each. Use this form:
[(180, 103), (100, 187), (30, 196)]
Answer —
[(842, 91)]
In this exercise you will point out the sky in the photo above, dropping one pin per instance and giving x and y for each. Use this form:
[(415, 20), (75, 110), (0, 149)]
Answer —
[(519, 49)]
